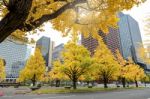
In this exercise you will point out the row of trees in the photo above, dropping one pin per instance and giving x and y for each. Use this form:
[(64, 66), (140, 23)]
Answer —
[(77, 65), (2, 70)]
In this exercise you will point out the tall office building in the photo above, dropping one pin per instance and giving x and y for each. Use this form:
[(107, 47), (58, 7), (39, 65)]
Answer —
[(111, 39), (19, 65), (57, 52), (130, 37), (126, 38), (90, 43), (14, 54), (46, 46)]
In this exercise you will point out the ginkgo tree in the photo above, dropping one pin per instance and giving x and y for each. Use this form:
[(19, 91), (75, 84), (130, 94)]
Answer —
[(89, 76), (143, 54), (134, 73), (86, 16), (106, 67), (34, 70), (76, 61), (2, 70), (55, 74), (122, 63), (129, 70)]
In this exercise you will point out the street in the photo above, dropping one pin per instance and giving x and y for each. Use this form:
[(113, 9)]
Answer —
[(126, 94)]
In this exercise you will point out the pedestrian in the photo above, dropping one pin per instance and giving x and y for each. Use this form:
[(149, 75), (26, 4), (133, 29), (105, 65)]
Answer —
[(1, 93)]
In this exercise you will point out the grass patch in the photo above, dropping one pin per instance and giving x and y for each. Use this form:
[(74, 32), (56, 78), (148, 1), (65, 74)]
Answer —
[(79, 90)]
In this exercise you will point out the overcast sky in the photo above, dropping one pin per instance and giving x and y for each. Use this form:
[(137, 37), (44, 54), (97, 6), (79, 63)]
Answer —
[(138, 13)]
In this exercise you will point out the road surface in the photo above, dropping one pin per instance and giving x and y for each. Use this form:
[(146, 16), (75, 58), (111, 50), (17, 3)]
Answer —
[(126, 94)]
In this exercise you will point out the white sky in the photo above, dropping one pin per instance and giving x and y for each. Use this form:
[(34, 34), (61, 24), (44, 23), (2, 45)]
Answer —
[(138, 13)]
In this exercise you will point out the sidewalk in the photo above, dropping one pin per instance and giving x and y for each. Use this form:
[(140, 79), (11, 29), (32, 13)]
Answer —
[(9, 91)]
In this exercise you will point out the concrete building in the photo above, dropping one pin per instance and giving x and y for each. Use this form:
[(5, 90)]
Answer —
[(90, 43), (46, 46), (13, 53), (111, 39)]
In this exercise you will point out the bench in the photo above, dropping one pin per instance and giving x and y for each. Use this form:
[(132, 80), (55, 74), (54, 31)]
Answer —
[(67, 87)]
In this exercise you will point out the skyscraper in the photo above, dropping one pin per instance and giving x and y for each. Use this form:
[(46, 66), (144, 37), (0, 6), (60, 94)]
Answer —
[(90, 43), (57, 52), (130, 37), (13, 53), (126, 38), (46, 46), (111, 39)]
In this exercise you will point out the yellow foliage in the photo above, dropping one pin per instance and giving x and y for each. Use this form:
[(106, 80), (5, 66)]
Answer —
[(133, 72), (76, 62), (45, 77), (35, 67), (55, 73), (129, 70), (2, 70), (142, 54), (105, 65), (92, 16), (119, 58), (88, 17), (146, 78)]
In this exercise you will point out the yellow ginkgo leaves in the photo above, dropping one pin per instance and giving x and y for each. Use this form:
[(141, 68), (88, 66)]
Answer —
[(2, 70), (83, 16), (35, 68)]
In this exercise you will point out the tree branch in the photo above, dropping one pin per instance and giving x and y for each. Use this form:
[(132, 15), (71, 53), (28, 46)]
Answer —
[(15, 19), (5, 3), (44, 18), (18, 13)]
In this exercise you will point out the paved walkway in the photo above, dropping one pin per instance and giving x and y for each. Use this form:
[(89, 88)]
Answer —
[(8, 91)]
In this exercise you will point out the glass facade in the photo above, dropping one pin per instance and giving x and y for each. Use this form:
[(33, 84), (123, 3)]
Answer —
[(46, 46), (130, 36), (57, 52), (16, 68)]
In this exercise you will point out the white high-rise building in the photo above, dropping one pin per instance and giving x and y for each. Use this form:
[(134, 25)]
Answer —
[(15, 55)]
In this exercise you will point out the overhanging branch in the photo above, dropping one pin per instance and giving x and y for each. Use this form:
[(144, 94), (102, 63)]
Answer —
[(44, 18), (16, 19)]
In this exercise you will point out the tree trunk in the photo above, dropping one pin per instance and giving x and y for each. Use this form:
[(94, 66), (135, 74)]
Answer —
[(136, 83), (88, 83), (57, 83), (74, 84), (123, 82), (16, 17), (74, 81), (128, 84), (145, 83), (105, 82), (18, 14), (34, 80)]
